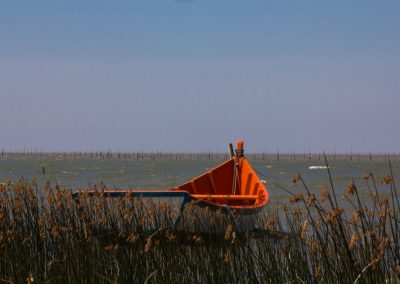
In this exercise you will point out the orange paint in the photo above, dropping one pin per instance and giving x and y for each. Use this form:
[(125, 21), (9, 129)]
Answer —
[(239, 145), (232, 183)]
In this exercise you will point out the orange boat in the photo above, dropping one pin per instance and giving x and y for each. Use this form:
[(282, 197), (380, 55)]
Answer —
[(231, 188)]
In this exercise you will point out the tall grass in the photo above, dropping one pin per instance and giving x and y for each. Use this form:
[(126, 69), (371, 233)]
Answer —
[(52, 237)]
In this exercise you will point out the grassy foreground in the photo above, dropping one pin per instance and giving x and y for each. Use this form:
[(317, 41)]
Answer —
[(47, 238)]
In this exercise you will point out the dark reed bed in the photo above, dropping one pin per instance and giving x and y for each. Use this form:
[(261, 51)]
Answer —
[(52, 237)]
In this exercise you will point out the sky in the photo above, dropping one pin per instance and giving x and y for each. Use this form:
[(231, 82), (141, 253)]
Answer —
[(193, 75)]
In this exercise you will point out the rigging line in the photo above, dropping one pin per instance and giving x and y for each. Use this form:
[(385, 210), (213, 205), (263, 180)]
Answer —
[(275, 183), (235, 177)]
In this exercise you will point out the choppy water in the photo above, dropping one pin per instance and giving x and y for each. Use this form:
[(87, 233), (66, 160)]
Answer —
[(163, 174)]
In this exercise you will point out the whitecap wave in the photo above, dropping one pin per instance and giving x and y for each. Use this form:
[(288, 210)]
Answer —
[(317, 167)]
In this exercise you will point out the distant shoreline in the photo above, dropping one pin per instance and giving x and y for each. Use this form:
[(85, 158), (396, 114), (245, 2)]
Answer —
[(202, 156)]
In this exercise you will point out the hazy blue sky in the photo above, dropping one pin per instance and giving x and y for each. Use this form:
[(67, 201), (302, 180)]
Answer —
[(193, 75)]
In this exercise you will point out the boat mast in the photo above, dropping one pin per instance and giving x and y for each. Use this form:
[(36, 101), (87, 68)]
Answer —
[(239, 154)]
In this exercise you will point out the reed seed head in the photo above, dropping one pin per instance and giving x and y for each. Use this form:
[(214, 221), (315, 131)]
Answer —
[(386, 180), (311, 199), (324, 195), (296, 177), (228, 232), (318, 271), (367, 176), (298, 197), (333, 215), (30, 279), (303, 230), (356, 216), (351, 187), (297, 212), (354, 240), (227, 256)]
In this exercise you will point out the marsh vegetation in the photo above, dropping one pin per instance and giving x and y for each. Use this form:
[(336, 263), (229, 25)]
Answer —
[(47, 236)]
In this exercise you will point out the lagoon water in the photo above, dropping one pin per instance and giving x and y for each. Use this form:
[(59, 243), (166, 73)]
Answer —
[(156, 173)]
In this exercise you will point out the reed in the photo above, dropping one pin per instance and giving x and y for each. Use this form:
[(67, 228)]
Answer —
[(53, 237)]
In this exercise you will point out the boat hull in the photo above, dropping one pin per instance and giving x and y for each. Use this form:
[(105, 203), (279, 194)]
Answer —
[(180, 211)]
